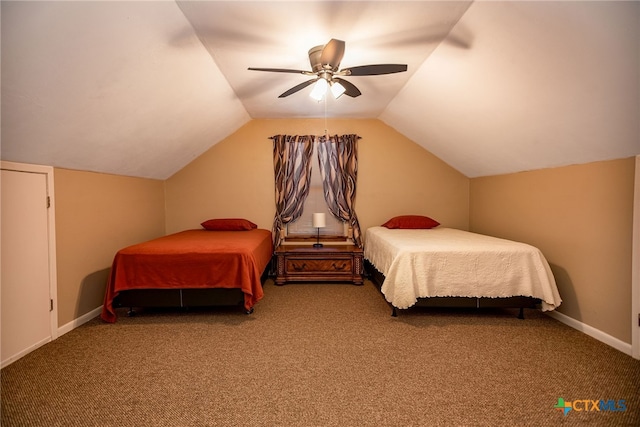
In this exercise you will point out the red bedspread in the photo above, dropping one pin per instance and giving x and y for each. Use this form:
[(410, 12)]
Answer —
[(192, 259)]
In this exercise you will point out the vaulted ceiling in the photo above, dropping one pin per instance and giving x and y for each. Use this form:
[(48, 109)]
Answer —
[(141, 88)]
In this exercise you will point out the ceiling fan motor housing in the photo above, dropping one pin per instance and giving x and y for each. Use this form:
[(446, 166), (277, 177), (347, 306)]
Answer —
[(314, 58)]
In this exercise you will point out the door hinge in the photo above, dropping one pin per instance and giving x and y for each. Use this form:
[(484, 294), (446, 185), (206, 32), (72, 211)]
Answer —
[(51, 304), (48, 202)]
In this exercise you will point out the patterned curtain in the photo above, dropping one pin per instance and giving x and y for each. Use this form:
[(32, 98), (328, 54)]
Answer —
[(292, 171), (338, 157)]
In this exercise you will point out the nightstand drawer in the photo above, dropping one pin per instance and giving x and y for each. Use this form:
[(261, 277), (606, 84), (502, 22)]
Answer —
[(325, 264), (296, 265)]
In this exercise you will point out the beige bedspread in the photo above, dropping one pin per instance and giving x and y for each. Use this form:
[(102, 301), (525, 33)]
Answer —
[(448, 262)]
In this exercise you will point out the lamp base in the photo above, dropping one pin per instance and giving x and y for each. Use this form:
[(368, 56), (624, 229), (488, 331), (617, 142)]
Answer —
[(318, 244)]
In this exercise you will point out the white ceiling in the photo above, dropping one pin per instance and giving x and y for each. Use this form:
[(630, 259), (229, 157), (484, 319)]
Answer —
[(142, 88)]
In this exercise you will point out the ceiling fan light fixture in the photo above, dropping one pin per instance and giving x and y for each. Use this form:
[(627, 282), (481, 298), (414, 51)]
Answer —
[(319, 89), (337, 89)]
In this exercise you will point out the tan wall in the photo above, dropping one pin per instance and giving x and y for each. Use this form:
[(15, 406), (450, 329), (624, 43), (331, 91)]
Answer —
[(96, 215), (395, 176), (581, 218)]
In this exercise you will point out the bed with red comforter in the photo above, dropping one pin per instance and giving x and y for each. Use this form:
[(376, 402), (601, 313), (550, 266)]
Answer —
[(192, 260)]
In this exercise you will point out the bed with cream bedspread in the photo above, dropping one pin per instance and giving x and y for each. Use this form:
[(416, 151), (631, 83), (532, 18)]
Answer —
[(446, 262)]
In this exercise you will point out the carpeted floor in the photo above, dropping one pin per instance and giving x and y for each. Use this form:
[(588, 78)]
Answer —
[(321, 355)]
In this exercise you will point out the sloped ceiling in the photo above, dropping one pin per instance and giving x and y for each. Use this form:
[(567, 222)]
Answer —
[(142, 88)]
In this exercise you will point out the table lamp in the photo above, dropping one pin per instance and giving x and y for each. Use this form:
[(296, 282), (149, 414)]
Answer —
[(319, 221)]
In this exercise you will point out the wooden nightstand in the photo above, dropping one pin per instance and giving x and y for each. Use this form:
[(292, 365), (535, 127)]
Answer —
[(331, 263)]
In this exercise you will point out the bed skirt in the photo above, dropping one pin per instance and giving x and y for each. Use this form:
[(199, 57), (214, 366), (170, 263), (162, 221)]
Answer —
[(183, 298), (520, 302)]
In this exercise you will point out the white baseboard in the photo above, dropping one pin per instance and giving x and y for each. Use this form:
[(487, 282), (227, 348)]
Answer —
[(79, 321), (591, 331), (61, 331), (24, 352)]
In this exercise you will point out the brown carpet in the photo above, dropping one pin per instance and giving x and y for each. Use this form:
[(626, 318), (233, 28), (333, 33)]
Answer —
[(320, 355)]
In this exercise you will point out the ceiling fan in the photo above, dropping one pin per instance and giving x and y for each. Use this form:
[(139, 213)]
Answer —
[(325, 63)]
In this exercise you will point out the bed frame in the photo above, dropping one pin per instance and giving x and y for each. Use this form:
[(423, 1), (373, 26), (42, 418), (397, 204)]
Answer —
[(184, 298), (520, 302)]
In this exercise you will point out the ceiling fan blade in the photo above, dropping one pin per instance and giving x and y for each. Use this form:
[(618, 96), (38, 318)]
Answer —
[(297, 88), (332, 53), (350, 89), (279, 70), (374, 70)]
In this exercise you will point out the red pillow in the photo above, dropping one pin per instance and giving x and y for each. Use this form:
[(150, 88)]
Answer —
[(228, 224), (411, 222)]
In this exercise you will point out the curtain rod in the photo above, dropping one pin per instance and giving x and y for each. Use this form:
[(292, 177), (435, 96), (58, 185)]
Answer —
[(317, 136)]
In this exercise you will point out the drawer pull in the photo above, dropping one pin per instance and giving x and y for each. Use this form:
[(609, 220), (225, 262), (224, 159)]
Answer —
[(299, 267), (340, 267)]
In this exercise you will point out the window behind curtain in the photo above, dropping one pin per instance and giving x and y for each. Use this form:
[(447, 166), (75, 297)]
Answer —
[(315, 203)]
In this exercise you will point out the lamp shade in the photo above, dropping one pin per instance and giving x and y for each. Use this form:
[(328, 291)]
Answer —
[(319, 220)]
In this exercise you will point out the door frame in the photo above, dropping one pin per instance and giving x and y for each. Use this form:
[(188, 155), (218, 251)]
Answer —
[(635, 267), (51, 227)]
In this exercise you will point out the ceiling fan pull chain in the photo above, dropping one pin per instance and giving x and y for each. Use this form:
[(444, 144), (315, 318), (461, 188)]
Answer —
[(325, 117)]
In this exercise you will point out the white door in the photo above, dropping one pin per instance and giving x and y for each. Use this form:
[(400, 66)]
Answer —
[(25, 276)]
